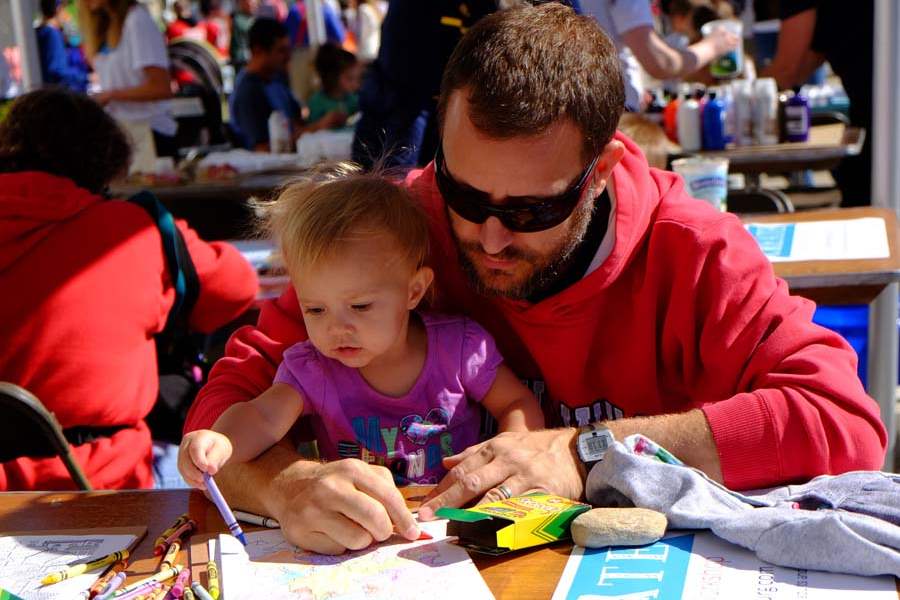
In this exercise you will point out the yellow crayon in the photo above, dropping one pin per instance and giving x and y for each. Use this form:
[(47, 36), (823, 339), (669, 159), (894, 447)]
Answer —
[(158, 577), (161, 540), (78, 569), (188, 594), (171, 554), (212, 571)]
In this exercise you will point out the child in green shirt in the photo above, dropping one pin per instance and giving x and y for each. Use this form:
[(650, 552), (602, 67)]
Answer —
[(341, 74)]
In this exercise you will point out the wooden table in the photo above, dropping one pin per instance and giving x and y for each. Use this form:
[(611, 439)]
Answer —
[(827, 146), (218, 210), (839, 281), (525, 574)]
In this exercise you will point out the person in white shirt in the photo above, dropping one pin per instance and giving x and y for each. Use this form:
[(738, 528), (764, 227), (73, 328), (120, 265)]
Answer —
[(128, 52), (629, 24)]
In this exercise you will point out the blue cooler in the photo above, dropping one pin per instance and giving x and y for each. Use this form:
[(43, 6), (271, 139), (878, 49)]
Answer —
[(852, 323)]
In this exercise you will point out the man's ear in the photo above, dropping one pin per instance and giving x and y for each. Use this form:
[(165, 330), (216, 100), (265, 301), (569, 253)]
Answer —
[(418, 286), (610, 156)]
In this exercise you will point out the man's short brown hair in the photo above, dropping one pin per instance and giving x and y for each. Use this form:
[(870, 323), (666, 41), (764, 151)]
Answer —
[(526, 68)]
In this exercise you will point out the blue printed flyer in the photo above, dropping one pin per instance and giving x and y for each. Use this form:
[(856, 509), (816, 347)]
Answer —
[(700, 566), (846, 239)]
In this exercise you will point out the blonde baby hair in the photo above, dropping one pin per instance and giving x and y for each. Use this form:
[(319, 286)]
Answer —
[(311, 218)]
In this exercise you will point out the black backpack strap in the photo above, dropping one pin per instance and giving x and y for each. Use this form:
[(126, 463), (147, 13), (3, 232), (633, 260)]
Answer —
[(181, 267)]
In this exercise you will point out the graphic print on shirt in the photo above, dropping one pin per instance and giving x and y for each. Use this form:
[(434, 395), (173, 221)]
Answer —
[(420, 430), (378, 445), (601, 410)]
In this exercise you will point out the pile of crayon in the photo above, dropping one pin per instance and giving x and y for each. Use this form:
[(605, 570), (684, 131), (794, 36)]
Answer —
[(170, 581)]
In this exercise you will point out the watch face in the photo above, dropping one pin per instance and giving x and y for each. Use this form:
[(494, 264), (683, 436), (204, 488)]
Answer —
[(592, 445), (596, 445)]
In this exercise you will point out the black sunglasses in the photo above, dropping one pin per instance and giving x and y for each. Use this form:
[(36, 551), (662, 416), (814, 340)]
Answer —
[(524, 214)]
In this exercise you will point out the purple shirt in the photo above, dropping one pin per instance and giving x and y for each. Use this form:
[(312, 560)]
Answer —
[(410, 435)]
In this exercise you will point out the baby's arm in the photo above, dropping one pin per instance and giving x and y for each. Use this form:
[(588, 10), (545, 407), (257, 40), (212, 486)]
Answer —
[(241, 433), (512, 404), (254, 427)]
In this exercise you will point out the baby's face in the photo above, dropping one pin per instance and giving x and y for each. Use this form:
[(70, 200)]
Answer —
[(356, 303)]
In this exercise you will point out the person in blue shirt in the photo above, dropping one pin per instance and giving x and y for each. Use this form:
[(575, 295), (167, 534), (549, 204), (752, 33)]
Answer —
[(398, 124), (55, 67), (262, 88), (298, 29)]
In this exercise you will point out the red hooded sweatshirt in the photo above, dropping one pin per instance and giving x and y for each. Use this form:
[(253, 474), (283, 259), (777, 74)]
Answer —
[(85, 288), (684, 313)]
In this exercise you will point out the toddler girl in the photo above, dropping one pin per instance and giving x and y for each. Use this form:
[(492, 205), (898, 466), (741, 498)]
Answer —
[(383, 382)]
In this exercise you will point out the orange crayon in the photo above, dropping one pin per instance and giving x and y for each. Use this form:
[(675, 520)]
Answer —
[(104, 581)]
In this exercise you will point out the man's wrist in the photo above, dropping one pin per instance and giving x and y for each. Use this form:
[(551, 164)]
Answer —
[(571, 435), (282, 472)]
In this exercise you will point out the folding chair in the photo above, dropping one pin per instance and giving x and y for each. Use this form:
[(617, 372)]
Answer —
[(27, 428), (759, 200)]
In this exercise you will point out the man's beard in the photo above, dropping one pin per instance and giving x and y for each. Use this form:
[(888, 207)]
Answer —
[(546, 268)]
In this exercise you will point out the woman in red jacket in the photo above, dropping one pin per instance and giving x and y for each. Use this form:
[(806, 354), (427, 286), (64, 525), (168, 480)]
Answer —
[(86, 287)]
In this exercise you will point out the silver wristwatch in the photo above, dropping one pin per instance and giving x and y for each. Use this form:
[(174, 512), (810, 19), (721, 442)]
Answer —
[(593, 442)]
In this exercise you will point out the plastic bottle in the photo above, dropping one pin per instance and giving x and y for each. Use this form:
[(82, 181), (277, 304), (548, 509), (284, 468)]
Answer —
[(726, 93), (714, 123), (670, 119), (743, 112), (689, 137), (279, 133), (796, 118), (765, 111)]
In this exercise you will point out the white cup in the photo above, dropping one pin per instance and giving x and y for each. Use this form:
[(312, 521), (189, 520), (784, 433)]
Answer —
[(705, 178), (730, 64)]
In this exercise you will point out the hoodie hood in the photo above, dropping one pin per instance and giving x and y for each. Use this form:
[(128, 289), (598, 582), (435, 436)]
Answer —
[(32, 203)]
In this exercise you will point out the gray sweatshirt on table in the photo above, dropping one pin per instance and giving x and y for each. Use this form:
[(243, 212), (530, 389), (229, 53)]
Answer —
[(845, 523)]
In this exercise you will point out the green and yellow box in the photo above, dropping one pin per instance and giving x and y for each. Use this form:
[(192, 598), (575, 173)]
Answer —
[(512, 524)]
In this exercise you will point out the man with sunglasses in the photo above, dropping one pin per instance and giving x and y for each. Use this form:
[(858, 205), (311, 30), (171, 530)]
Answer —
[(627, 306)]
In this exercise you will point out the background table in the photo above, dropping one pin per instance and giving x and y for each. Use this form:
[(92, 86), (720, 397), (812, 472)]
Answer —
[(827, 146), (839, 281), (218, 210)]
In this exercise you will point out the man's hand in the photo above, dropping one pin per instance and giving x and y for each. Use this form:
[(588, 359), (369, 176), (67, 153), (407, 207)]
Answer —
[(342, 505), (521, 461)]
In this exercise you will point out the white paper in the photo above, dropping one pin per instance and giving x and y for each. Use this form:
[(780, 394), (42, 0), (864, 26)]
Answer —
[(26, 559), (270, 567), (700, 566), (851, 239)]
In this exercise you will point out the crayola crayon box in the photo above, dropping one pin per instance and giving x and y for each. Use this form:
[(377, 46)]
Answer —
[(507, 525)]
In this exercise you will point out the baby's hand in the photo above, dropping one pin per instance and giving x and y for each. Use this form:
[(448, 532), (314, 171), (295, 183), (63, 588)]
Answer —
[(202, 451)]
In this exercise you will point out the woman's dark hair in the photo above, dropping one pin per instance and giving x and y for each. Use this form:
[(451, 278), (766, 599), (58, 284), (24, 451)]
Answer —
[(66, 134), (331, 61)]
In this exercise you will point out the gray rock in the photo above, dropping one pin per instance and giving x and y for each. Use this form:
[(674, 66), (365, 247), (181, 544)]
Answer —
[(601, 527)]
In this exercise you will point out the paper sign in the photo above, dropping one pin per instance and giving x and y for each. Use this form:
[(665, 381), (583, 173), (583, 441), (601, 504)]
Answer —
[(852, 239), (700, 566)]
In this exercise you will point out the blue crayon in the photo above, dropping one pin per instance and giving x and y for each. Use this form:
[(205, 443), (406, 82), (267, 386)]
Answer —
[(226, 513), (200, 591)]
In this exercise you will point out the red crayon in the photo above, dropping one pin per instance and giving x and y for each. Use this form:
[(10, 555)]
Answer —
[(182, 531)]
